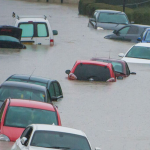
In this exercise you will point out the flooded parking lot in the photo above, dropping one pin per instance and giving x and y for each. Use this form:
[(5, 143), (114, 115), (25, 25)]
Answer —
[(113, 115)]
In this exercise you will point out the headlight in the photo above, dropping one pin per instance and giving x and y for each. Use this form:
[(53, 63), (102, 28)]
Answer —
[(4, 138), (99, 28)]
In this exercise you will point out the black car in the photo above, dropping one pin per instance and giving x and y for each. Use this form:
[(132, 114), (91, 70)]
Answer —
[(10, 37), (18, 90), (128, 33), (53, 86)]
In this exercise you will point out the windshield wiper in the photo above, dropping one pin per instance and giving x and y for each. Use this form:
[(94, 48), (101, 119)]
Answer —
[(57, 147)]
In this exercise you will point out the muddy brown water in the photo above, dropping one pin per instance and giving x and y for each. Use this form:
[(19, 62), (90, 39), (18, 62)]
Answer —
[(114, 116)]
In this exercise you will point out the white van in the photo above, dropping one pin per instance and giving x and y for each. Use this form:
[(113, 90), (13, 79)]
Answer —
[(35, 30)]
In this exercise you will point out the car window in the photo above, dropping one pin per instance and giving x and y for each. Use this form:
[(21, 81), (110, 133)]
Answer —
[(127, 69), (94, 72), (48, 97), (51, 90), (124, 30), (25, 116), (42, 30), (57, 90), (2, 110), (8, 38), (133, 30), (147, 36), (27, 29)]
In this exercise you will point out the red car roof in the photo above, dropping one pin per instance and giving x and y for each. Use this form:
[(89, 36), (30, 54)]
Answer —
[(31, 104)]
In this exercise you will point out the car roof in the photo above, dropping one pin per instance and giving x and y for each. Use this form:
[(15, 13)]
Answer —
[(43, 127), (23, 85), (143, 44), (139, 25), (31, 104), (110, 11), (34, 78), (34, 18)]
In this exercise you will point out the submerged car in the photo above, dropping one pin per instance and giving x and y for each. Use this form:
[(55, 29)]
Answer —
[(18, 90), (139, 53), (129, 33), (121, 68), (10, 37), (16, 115), (44, 137), (108, 20), (92, 71), (145, 38), (52, 86)]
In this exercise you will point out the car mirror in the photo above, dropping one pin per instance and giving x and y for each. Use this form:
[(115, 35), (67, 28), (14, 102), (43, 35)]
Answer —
[(120, 78), (132, 72), (55, 32), (23, 140), (67, 72), (132, 22), (139, 39), (97, 148), (121, 55), (92, 19)]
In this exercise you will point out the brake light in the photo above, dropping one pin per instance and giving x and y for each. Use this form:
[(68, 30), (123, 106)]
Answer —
[(51, 42), (30, 21)]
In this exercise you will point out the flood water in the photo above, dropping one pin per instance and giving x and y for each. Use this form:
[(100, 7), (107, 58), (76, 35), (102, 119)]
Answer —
[(114, 116)]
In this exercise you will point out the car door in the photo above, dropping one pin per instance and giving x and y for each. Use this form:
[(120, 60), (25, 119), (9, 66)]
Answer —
[(26, 133), (28, 32)]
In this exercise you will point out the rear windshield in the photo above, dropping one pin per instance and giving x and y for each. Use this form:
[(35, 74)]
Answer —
[(97, 73), (21, 93), (23, 116)]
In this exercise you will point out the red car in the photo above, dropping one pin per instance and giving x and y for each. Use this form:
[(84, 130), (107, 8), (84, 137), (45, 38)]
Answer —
[(92, 71), (120, 66), (16, 115)]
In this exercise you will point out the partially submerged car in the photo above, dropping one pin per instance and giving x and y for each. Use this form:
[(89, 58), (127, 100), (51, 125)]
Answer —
[(53, 86), (108, 20), (139, 53), (43, 137), (92, 71), (128, 33), (10, 37), (121, 68), (145, 38), (16, 115), (18, 90)]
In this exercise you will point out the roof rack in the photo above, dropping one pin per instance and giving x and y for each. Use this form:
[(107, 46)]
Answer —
[(32, 16)]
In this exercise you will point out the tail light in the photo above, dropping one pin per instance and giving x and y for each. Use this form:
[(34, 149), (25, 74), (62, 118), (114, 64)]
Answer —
[(111, 80), (72, 76), (51, 42)]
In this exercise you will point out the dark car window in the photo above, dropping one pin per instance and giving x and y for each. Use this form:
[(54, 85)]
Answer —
[(21, 93), (127, 69), (22, 116), (48, 97), (139, 52), (133, 30), (51, 90), (87, 71), (51, 139), (57, 90), (8, 38), (124, 30), (2, 110), (147, 36)]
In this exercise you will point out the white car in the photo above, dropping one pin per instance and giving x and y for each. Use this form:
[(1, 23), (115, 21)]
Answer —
[(35, 30), (51, 137), (139, 53)]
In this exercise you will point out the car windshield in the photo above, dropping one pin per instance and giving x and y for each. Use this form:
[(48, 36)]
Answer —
[(25, 116), (8, 38), (27, 81), (113, 18), (147, 37), (60, 140), (117, 65), (21, 93), (94, 72), (139, 52)]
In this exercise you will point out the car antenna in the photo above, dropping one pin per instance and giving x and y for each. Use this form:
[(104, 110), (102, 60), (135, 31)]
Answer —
[(31, 74)]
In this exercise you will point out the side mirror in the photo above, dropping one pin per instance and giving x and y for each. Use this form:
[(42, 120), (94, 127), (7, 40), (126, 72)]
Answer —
[(92, 19), (139, 39), (121, 55), (67, 72), (115, 31), (55, 32), (97, 148), (23, 140), (133, 73), (120, 78), (132, 22)]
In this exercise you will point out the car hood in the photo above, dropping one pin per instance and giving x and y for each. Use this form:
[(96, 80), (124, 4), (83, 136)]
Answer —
[(110, 26), (41, 148), (11, 31), (136, 60)]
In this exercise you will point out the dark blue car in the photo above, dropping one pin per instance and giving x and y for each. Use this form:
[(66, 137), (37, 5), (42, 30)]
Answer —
[(145, 38)]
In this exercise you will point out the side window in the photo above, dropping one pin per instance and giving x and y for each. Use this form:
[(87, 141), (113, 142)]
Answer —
[(133, 30), (57, 89), (127, 69), (124, 30), (27, 29), (42, 30), (51, 90), (2, 110), (48, 97)]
